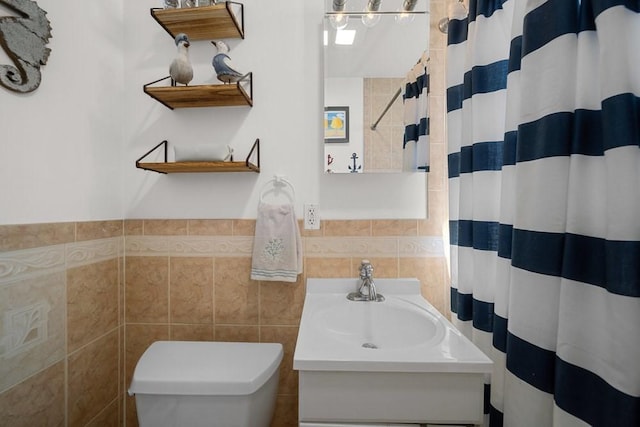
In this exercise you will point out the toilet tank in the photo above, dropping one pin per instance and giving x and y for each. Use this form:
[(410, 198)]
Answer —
[(206, 384)]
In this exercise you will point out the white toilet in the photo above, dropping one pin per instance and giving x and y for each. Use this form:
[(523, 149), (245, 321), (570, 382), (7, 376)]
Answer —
[(206, 384)]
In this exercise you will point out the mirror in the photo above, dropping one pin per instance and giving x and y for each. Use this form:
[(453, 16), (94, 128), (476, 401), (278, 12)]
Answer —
[(364, 82)]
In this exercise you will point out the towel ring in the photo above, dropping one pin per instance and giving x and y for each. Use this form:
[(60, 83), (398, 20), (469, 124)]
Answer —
[(278, 183)]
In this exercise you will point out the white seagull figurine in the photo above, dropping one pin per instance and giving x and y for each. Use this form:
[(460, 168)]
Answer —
[(180, 69), (225, 70)]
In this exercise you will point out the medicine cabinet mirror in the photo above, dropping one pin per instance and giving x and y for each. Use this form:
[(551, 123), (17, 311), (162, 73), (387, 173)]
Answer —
[(366, 60)]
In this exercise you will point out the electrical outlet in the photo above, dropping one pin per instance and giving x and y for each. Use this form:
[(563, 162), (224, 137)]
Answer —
[(311, 218)]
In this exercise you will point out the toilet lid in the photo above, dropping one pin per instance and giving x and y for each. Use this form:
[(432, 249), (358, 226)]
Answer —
[(205, 368)]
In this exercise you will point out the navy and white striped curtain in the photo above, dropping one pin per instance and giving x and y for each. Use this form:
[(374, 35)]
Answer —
[(415, 97), (543, 116)]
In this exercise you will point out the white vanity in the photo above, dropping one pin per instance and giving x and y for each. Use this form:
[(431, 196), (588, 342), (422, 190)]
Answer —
[(380, 363)]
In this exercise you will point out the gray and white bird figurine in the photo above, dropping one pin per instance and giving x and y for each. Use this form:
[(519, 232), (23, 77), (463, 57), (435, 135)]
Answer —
[(225, 70), (180, 69)]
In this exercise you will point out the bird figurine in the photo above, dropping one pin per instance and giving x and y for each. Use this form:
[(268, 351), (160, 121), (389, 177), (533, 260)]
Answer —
[(180, 69), (225, 70)]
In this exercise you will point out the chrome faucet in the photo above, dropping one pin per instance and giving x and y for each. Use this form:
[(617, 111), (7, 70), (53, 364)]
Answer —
[(367, 289)]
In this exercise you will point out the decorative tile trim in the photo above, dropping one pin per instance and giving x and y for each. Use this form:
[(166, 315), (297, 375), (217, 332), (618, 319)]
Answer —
[(19, 265), (189, 246), (92, 251), (211, 246), (330, 247), (339, 247), (146, 245), (421, 247), (380, 247)]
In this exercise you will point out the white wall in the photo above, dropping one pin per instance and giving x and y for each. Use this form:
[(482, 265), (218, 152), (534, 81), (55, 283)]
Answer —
[(60, 146), (283, 48), (346, 92), (67, 150), (285, 115)]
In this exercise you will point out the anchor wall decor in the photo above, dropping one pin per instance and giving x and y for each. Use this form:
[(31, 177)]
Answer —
[(24, 37)]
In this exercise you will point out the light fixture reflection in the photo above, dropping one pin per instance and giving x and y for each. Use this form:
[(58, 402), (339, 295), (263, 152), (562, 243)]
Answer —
[(403, 17), (371, 18), (339, 21)]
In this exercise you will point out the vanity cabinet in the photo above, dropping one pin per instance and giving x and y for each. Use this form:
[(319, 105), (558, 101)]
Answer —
[(220, 21)]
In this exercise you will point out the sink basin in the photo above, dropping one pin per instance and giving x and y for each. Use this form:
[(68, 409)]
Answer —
[(404, 333), (391, 324)]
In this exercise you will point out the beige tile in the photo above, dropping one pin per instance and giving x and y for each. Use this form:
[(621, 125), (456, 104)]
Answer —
[(147, 289), (381, 148), (327, 267), (122, 383), (133, 227), (197, 332), (236, 294), (378, 103), (437, 84), (137, 339), (41, 299), (381, 86), (109, 417), (397, 108), (210, 227), (121, 290), (38, 401), (281, 302), (382, 267), (431, 273), (347, 228), (191, 290), (165, 227), (244, 227), (237, 333), (437, 171), (92, 230), (93, 379), (287, 336), (394, 227), (131, 415), (438, 211), (92, 302), (26, 236), (437, 119), (286, 412)]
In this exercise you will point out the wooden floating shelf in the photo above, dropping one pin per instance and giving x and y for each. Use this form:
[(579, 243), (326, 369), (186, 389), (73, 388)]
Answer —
[(218, 95), (202, 23), (187, 167), (200, 166)]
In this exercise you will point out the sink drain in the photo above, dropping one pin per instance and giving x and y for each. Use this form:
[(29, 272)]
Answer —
[(369, 345)]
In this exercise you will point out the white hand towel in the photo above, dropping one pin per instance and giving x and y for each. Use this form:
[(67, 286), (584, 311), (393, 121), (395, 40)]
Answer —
[(277, 246)]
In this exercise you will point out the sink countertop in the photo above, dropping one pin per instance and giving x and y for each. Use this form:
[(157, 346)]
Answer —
[(444, 349)]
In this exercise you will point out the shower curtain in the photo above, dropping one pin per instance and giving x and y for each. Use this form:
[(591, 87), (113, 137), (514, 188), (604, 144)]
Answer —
[(415, 98), (543, 117)]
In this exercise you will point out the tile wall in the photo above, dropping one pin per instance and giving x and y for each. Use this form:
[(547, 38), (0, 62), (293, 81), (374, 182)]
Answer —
[(73, 328), (61, 324), (196, 273), (383, 153)]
